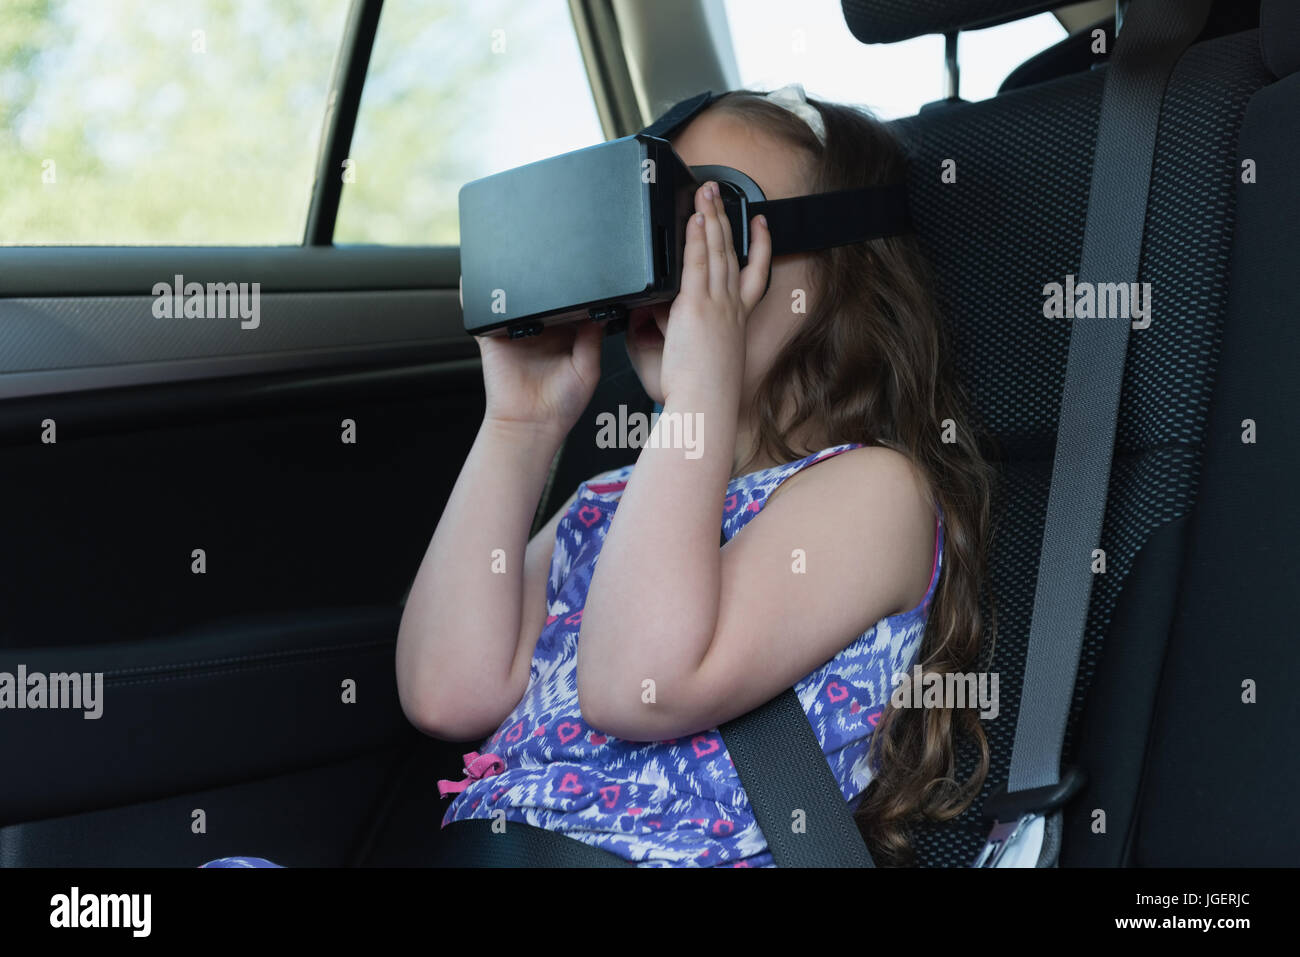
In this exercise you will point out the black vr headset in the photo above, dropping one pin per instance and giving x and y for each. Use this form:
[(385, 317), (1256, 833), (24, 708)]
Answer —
[(599, 231)]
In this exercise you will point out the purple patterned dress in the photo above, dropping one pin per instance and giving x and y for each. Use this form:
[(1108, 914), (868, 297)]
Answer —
[(677, 802)]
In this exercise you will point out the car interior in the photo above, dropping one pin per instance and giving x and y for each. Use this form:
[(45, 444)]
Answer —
[(253, 709)]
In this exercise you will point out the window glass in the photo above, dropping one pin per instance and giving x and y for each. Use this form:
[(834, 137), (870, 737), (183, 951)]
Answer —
[(138, 122), (456, 91), (776, 42)]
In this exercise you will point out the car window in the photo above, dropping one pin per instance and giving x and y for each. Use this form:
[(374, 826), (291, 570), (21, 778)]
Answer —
[(776, 42), (456, 91), (189, 122)]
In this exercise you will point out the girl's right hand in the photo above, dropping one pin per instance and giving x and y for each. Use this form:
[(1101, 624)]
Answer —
[(544, 381)]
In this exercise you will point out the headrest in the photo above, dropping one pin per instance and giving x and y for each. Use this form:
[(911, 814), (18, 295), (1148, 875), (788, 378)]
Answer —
[(1279, 36), (888, 21)]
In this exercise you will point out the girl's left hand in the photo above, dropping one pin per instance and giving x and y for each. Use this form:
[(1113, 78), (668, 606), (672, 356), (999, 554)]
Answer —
[(704, 344)]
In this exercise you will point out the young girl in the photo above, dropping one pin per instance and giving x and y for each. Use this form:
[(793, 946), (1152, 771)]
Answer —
[(596, 662)]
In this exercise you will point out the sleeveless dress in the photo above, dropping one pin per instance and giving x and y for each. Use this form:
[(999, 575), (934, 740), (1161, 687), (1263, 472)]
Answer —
[(676, 802)]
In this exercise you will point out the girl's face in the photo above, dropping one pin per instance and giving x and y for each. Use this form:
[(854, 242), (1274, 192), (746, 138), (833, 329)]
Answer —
[(718, 138)]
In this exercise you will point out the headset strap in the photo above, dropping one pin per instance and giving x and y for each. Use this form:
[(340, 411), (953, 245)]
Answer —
[(679, 114), (818, 220)]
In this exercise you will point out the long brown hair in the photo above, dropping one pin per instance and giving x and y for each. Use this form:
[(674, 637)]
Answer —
[(870, 364)]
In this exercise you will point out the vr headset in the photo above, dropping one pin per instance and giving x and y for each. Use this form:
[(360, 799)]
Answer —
[(599, 231)]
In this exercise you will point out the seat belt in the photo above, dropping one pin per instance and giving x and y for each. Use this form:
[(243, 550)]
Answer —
[(792, 792), (476, 842), (1026, 812), (794, 796)]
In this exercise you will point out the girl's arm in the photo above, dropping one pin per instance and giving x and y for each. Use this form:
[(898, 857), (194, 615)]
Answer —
[(477, 605), (461, 660), (838, 546)]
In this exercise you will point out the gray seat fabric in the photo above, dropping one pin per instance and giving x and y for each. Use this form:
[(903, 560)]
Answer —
[(1012, 222)]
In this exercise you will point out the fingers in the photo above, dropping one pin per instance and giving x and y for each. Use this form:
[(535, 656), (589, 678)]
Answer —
[(753, 278), (728, 245), (709, 264), (586, 350), (695, 259), (707, 203)]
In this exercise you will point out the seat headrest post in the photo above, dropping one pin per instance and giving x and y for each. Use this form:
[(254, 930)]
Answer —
[(951, 68)]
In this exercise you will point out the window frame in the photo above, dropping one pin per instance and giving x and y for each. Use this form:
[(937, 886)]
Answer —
[(341, 109)]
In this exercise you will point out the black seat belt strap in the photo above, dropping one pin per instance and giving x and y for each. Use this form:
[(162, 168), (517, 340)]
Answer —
[(476, 842), (792, 792), (1153, 37)]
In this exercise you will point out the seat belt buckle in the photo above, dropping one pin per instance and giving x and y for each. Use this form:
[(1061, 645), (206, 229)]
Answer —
[(1015, 815), (1003, 840)]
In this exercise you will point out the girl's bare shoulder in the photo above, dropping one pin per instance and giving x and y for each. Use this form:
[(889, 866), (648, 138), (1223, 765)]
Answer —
[(873, 470)]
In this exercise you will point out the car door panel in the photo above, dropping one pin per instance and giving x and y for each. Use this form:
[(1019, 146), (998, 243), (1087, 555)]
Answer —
[(306, 467)]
